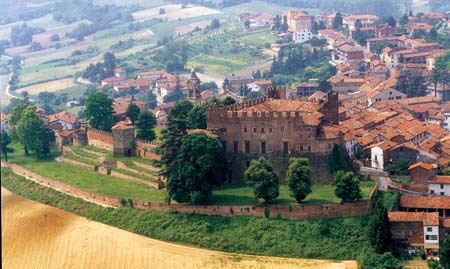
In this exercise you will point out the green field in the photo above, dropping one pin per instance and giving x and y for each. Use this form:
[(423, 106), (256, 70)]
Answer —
[(242, 194), (337, 239), (217, 64), (264, 7)]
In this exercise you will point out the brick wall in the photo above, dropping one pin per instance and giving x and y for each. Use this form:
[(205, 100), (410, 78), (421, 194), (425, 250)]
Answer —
[(147, 150), (100, 139), (313, 211)]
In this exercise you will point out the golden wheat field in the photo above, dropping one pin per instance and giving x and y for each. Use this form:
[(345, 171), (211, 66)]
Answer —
[(35, 236)]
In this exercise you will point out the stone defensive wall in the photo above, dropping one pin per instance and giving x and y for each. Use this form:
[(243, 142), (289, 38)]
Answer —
[(147, 149), (293, 212), (100, 139), (77, 163)]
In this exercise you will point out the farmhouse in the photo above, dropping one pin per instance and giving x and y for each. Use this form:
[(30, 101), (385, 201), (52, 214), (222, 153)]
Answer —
[(63, 120)]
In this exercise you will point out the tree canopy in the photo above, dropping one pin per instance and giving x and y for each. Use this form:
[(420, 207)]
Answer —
[(411, 83), (379, 233), (145, 126), (197, 117), (33, 134), (199, 164), (133, 112), (336, 160), (347, 186), (99, 111), (444, 253), (261, 177), (298, 177)]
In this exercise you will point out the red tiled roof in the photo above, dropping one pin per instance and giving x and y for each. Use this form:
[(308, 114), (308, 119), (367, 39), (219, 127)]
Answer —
[(434, 202), (63, 116), (441, 180), (121, 125), (426, 166), (427, 218)]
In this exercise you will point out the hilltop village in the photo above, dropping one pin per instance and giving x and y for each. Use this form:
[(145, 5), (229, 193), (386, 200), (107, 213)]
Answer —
[(382, 115)]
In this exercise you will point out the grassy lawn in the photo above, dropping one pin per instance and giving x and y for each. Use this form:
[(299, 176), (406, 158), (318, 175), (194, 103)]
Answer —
[(126, 172), (242, 194), (92, 148), (83, 153), (401, 180), (76, 158), (218, 64), (337, 239), (87, 179)]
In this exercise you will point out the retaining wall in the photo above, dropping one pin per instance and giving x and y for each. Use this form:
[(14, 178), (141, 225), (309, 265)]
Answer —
[(77, 163), (312, 211)]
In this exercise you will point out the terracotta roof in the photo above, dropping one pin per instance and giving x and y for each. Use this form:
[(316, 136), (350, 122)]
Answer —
[(283, 105), (441, 180), (427, 218), (426, 166), (122, 125), (327, 31), (263, 82), (111, 80), (435, 202), (119, 70), (385, 145), (63, 116), (66, 133), (446, 222)]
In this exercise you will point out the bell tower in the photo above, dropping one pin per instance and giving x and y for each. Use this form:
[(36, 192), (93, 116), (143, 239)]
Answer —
[(193, 88)]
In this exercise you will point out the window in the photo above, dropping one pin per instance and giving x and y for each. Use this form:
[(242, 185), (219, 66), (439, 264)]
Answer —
[(309, 148), (442, 186), (398, 97), (245, 129), (431, 237), (282, 129), (247, 146), (329, 146), (432, 191), (262, 130), (254, 130), (285, 147), (442, 193), (301, 147), (270, 130), (263, 147), (429, 229), (235, 147), (390, 93)]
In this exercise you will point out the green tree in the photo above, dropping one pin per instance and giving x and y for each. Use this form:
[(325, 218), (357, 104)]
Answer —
[(443, 62), (403, 20), (228, 101), (133, 112), (99, 111), (109, 61), (298, 177), (347, 186), (54, 38), (5, 140), (261, 177), (336, 160), (379, 233), (177, 125), (371, 260), (145, 126), (197, 117), (199, 165), (338, 21), (444, 253), (411, 83), (33, 134)]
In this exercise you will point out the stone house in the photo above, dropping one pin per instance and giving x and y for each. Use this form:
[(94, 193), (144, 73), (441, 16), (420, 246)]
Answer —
[(421, 172)]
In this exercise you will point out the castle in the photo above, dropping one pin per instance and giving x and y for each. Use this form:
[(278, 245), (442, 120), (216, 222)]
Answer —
[(277, 128)]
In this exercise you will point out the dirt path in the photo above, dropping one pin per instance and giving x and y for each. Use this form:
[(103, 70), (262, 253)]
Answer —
[(38, 236)]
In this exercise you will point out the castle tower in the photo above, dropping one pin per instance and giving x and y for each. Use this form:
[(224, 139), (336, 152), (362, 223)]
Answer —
[(193, 88), (123, 139), (330, 108)]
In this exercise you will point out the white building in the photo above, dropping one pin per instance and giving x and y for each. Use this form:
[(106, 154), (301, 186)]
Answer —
[(63, 120), (302, 36), (440, 185), (378, 154), (387, 94), (431, 234)]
